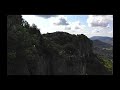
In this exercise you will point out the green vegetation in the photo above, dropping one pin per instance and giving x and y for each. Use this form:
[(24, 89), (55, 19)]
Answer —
[(106, 62), (21, 39), (103, 49)]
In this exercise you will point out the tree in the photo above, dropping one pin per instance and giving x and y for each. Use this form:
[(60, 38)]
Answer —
[(70, 49), (21, 50)]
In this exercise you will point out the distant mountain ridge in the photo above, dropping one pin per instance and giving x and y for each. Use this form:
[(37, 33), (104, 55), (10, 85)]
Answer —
[(103, 49), (98, 43), (108, 40)]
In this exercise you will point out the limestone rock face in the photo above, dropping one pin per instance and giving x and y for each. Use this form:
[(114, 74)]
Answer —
[(71, 55)]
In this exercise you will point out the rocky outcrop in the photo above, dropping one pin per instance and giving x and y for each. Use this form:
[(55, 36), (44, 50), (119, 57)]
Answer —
[(71, 58)]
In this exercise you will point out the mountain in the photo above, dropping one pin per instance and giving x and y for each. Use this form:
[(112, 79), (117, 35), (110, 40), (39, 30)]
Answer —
[(103, 49), (100, 44), (76, 55), (108, 40), (31, 53)]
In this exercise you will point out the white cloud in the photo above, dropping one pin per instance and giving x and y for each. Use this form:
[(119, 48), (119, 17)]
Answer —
[(68, 27), (47, 16), (75, 26), (99, 20), (61, 21), (111, 32), (100, 25), (95, 31)]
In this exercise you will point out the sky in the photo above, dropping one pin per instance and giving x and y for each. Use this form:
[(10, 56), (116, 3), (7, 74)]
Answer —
[(90, 25)]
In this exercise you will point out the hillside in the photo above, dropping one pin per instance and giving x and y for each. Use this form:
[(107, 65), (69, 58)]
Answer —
[(103, 49), (108, 40)]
